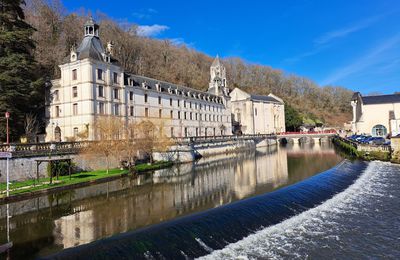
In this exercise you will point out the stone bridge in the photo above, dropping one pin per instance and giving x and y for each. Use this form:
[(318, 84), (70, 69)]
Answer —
[(305, 137)]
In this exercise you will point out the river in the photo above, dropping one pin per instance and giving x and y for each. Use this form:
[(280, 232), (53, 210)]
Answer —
[(255, 204)]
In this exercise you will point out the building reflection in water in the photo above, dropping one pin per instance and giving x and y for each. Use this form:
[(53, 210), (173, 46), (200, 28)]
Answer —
[(83, 215)]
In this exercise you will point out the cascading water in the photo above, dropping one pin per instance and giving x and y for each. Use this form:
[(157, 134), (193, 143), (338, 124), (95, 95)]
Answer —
[(360, 223), (199, 234)]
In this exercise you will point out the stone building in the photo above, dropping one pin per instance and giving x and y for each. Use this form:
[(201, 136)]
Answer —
[(255, 114), (376, 115), (93, 84)]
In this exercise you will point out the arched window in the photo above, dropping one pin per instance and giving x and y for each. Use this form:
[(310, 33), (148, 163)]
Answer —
[(379, 130), (57, 134)]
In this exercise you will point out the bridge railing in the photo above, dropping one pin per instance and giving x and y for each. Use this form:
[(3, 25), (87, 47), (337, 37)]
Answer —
[(309, 132)]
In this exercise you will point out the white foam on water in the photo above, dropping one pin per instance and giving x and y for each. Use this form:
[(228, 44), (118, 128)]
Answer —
[(315, 229), (203, 245)]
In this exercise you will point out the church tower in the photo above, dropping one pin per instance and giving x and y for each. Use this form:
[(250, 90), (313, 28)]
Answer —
[(218, 84)]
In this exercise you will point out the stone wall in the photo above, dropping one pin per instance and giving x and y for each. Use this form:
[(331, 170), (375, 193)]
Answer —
[(24, 168)]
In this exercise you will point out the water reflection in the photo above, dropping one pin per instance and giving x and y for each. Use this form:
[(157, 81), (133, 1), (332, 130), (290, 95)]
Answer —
[(50, 223)]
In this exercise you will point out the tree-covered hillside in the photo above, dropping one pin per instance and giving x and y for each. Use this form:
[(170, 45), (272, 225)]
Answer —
[(57, 30), (36, 39)]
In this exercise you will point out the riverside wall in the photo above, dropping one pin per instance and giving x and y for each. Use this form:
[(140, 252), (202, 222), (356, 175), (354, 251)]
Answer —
[(24, 167)]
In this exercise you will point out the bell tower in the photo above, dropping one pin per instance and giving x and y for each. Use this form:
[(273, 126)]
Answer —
[(218, 84), (91, 28)]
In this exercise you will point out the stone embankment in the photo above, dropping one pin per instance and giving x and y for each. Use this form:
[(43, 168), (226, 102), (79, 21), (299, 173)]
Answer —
[(23, 164), (364, 151)]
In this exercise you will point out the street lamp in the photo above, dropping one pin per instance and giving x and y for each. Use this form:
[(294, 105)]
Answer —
[(8, 134)]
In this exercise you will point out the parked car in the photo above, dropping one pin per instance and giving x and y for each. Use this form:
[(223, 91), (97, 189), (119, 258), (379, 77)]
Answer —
[(362, 138), (377, 141)]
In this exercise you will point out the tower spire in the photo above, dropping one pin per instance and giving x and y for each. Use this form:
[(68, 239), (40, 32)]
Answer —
[(217, 78)]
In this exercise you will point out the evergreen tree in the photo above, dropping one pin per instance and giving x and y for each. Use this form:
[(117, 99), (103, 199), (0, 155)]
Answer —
[(19, 74), (293, 119)]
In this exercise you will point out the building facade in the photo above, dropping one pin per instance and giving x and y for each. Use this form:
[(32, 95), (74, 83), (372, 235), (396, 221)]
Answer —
[(255, 114), (376, 115), (92, 84)]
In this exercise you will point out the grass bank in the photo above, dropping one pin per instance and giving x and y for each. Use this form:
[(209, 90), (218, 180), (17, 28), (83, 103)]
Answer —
[(32, 186)]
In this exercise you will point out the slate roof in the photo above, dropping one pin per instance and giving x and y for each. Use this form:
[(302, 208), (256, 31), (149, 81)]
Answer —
[(90, 47), (264, 98), (182, 90), (383, 99)]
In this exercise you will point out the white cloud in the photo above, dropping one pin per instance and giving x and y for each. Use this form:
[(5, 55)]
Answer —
[(373, 57), (151, 30), (144, 13), (325, 41), (343, 32)]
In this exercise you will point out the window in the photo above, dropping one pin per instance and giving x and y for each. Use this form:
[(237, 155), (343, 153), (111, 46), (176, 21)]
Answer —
[(74, 74), (101, 108), (115, 77), (170, 101), (101, 91), (195, 116), (145, 98), (160, 113), (186, 132), (131, 95), (184, 104), (75, 109), (99, 74), (57, 111), (159, 100), (190, 104), (56, 95), (131, 110), (184, 116), (116, 93), (179, 114), (172, 132), (191, 117), (146, 112), (75, 131), (178, 103), (116, 109), (74, 92), (171, 114), (379, 130), (255, 111)]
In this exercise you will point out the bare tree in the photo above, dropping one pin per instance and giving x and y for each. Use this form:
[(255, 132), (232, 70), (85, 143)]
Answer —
[(150, 137), (31, 127), (109, 131)]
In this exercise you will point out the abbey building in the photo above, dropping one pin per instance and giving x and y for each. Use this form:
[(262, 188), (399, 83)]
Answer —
[(93, 84)]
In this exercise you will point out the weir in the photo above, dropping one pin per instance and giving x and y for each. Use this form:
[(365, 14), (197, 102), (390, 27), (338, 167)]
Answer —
[(198, 234)]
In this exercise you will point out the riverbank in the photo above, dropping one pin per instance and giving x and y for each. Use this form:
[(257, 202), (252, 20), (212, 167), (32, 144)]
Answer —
[(353, 151), (31, 188)]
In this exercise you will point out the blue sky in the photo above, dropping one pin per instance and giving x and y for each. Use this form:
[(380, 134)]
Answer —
[(355, 44)]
